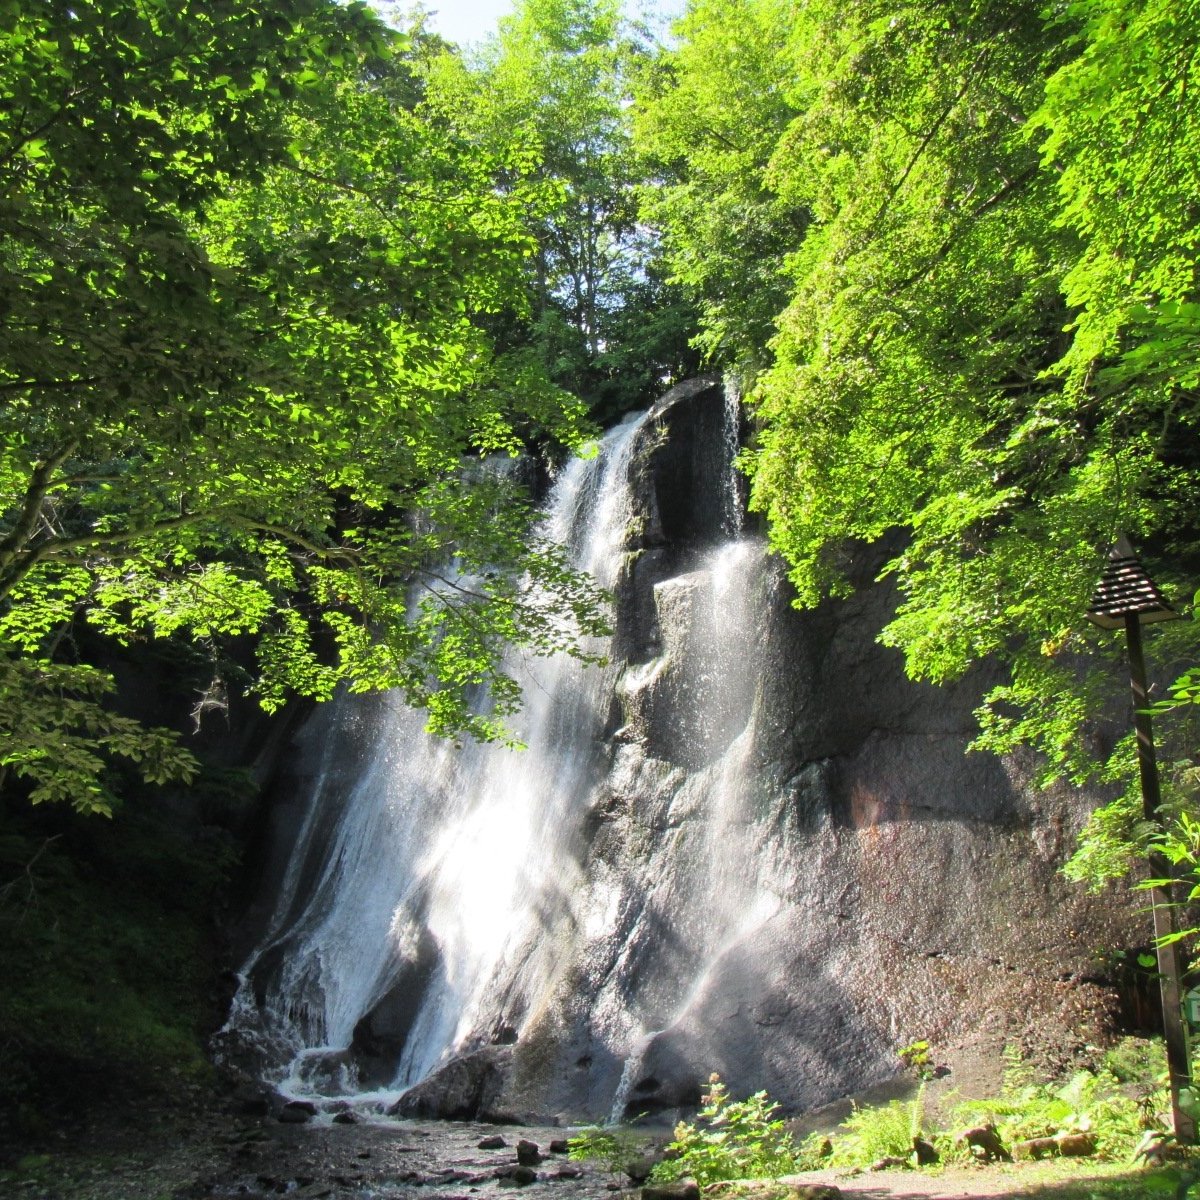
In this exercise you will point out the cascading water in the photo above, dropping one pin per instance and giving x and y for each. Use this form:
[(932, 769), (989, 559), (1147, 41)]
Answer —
[(439, 900), (437, 866)]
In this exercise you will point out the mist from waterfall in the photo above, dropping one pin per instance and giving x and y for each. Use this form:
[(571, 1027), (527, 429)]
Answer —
[(461, 847), (455, 883)]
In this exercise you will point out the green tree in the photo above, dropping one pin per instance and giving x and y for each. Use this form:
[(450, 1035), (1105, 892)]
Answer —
[(557, 81), (708, 117), (1121, 129), (981, 312), (245, 275)]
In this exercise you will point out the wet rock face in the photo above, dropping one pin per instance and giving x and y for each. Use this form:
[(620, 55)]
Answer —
[(380, 1035), (783, 866), (904, 888)]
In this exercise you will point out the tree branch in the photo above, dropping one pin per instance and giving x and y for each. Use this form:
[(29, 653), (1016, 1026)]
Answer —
[(934, 129), (985, 206), (20, 562), (18, 385), (297, 539), (27, 873), (35, 495)]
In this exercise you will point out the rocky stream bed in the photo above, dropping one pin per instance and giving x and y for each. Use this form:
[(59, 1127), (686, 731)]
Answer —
[(208, 1155)]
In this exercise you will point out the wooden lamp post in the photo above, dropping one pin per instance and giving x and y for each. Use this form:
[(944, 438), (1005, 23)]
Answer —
[(1127, 597)]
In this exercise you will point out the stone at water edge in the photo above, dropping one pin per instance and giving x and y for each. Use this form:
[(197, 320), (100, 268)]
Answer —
[(639, 1169), (465, 1089), (314, 1191), (347, 1117), (451, 1175), (560, 1146), (520, 1175), (250, 1100), (680, 1189), (297, 1112), (529, 1154), (492, 1142)]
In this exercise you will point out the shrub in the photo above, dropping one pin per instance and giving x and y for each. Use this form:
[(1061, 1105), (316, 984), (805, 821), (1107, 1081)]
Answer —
[(882, 1131), (611, 1146), (731, 1139), (106, 940), (1088, 1102)]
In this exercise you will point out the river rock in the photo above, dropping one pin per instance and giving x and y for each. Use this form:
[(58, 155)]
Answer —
[(528, 1153), (251, 1100), (465, 1089), (492, 1142), (560, 1146), (522, 1175), (297, 1112), (313, 1191), (638, 1169), (680, 1189)]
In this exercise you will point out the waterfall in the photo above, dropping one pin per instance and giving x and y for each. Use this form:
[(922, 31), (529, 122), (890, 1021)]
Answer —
[(441, 864), (438, 900)]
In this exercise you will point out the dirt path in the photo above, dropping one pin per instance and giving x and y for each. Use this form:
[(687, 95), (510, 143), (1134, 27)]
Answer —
[(1050, 1181)]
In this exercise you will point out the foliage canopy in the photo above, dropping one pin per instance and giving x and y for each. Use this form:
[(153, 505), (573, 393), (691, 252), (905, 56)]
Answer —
[(245, 276), (557, 79), (978, 260)]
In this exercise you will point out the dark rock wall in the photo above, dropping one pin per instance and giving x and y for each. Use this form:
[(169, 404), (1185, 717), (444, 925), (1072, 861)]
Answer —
[(789, 867), (919, 885)]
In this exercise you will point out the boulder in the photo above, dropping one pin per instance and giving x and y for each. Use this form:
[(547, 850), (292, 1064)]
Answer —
[(528, 1153), (251, 1100), (465, 1089), (491, 1142), (638, 1169), (679, 1189), (521, 1175), (297, 1112)]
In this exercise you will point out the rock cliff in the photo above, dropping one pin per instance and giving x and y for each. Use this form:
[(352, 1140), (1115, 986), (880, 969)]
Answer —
[(773, 858)]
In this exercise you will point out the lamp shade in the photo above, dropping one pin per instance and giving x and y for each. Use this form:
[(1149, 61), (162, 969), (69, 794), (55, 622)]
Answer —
[(1125, 589)]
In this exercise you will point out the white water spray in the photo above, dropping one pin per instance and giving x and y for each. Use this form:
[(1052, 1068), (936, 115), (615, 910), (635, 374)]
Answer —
[(451, 884)]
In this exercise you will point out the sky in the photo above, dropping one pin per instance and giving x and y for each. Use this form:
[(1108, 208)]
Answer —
[(469, 21), (466, 21)]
